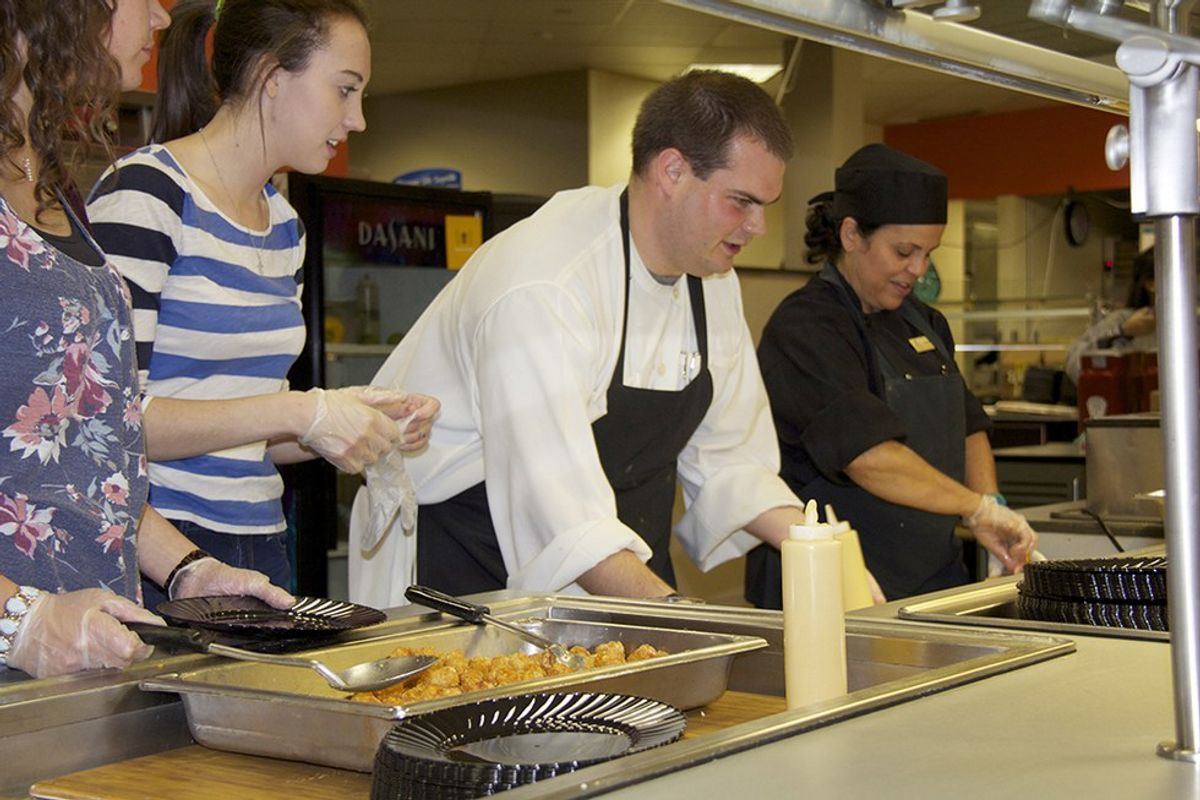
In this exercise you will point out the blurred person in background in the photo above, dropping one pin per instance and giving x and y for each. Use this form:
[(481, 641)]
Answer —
[(1131, 328)]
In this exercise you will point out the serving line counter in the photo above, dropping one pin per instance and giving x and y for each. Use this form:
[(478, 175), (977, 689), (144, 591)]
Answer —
[(1081, 726), (889, 662), (937, 709)]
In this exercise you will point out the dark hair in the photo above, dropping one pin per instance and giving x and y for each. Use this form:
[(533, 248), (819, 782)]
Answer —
[(251, 38), (73, 80), (699, 113), (1143, 273), (822, 235)]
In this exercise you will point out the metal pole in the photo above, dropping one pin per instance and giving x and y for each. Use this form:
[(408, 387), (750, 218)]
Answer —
[(1179, 376), (1161, 146), (1168, 135)]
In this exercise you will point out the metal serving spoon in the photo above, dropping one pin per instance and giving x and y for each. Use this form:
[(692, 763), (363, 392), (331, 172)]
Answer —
[(471, 612), (365, 677)]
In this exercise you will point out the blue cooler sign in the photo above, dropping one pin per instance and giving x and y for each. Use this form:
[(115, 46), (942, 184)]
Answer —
[(441, 177)]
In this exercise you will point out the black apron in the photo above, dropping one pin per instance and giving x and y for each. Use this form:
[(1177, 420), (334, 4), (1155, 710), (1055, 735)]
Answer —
[(907, 550), (638, 441)]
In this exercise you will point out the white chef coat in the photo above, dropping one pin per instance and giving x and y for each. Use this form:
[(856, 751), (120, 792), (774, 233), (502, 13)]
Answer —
[(520, 349)]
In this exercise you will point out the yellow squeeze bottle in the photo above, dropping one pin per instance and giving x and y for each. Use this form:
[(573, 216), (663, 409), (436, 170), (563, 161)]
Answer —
[(814, 628), (856, 591)]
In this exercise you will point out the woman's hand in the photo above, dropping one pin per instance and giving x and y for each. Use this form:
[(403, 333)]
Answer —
[(208, 577), (420, 421), (346, 431), (1004, 533), (68, 632), (415, 412), (877, 596)]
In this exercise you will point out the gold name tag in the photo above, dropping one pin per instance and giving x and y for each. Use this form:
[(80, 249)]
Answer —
[(921, 344)]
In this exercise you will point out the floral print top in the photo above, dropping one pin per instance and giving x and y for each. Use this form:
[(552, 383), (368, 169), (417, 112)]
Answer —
[(73, 477)]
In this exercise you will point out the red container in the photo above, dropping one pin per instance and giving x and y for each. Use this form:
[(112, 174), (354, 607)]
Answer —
[(1109, 383), (1149, 380)]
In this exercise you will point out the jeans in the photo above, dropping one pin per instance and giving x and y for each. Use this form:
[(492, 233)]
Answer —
[(266, 553)]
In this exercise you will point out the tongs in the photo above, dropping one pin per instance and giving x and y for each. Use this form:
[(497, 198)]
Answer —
[(365, 677), (481, 615)]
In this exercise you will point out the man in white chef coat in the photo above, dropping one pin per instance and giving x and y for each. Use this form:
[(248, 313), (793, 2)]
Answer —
[(585, 358)]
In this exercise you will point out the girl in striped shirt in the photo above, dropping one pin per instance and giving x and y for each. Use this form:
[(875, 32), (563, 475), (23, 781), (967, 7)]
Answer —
[(213, 256)]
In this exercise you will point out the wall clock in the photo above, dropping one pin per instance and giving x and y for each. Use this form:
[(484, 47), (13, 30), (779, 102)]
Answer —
[(1077, 222)]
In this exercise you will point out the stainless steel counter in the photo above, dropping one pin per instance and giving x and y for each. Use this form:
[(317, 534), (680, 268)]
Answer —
[(1064, 531), (1082, 726), (60, 725)]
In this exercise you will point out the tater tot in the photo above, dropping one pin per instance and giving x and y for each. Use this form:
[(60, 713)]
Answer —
[(456, 674), (643, 652), (610, 653)]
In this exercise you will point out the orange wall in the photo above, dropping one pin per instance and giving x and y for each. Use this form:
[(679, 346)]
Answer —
[(339, 166), (1036, 152)]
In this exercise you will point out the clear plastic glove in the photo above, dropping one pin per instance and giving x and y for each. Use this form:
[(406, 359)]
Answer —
[(877, 596), (68, 632), (413, 413), (347, 432), (390, 492), (1004, 533), (209, 577)]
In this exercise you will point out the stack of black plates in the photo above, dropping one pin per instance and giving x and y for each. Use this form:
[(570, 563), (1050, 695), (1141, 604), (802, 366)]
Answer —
[(478, 749), (1114, 592), (251, 624)]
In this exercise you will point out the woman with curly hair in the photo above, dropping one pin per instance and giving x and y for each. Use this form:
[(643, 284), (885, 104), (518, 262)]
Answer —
[(77, 529)]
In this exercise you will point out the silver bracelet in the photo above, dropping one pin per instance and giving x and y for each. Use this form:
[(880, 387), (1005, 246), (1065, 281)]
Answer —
[(15, 609)]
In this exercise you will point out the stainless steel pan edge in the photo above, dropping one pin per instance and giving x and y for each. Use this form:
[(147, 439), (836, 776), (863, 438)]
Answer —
[(344, 733)]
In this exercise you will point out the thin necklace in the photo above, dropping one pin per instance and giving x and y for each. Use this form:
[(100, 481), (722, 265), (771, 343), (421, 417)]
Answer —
[(262, 242)]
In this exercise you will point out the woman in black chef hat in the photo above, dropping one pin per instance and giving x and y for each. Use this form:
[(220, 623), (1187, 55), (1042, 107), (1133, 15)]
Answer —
[(872, 414)]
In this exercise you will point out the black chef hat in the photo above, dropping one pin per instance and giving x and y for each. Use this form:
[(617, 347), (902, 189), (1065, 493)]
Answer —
[(882, 186)]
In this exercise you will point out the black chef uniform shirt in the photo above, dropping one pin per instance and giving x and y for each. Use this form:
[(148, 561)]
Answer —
[(824, 385)]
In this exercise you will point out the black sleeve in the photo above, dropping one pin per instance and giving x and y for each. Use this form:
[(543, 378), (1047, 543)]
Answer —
[(817, 373)]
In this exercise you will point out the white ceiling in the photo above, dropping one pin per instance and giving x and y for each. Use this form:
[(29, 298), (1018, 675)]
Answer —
[(418, 44)]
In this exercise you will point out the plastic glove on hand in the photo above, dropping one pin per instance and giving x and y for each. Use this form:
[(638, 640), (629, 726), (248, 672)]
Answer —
[(64, 633), (209, 577), (877, 596), (422, 410), (347, 432), (413, 413), (1004, 533)]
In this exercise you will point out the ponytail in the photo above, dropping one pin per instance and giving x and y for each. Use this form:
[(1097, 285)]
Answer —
[(252, 38), (187, 94), (823, 232), (821, 235)]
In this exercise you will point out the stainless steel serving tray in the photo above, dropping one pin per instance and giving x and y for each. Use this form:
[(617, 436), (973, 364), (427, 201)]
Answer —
[(993, 604), (292, 713)]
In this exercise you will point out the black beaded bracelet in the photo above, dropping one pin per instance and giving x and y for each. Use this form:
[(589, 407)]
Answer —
[(190, 558)]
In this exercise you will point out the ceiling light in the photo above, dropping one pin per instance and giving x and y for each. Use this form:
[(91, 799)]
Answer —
[(759, 73)]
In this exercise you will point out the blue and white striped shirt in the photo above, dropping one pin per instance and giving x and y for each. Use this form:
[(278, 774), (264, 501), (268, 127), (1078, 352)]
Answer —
[(216, 315)]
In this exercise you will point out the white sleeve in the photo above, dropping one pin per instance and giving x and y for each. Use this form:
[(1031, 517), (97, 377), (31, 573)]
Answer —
[(730, 468), (538, 355)]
